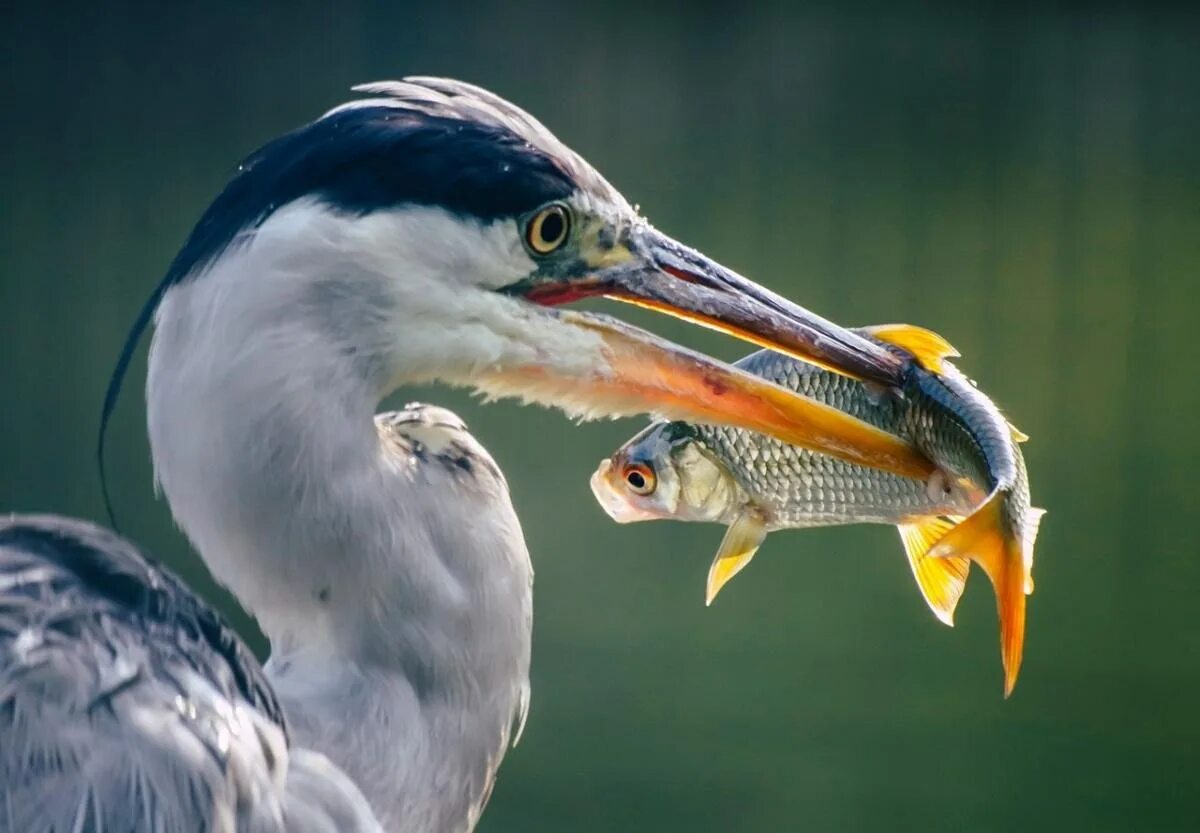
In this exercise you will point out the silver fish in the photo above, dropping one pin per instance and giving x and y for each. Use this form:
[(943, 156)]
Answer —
[(755, 484)]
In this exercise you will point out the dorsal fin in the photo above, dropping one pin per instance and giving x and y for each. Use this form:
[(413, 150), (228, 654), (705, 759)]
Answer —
[(1017, 434), (926, 346)]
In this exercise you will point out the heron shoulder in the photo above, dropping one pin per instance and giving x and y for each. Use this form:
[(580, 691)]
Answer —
[(429, 434)]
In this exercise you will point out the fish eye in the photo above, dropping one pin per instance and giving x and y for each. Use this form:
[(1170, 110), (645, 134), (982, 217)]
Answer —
[(640, 478), (547, 230)]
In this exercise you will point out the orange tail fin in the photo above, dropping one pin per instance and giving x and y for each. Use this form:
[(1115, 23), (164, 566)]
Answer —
[(982, 537)]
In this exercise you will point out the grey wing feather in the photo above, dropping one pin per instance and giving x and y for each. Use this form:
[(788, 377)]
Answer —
[(322, 799), (126, 703)]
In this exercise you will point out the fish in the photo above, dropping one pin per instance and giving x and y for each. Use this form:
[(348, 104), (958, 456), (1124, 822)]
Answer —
[(974, 506)]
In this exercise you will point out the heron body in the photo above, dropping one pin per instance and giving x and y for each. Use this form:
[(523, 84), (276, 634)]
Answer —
[(99, 637), (426, 233)]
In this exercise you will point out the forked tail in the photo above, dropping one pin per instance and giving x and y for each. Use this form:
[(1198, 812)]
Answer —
[(1005, 554)]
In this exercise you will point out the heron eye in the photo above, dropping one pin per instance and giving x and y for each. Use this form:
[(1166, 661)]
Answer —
[(548, 229), (641, 479)]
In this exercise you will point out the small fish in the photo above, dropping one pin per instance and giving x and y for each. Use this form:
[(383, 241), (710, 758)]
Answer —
[(974, 505)]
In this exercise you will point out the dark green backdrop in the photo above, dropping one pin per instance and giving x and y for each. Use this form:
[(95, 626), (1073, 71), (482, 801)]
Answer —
[(1025, 184)]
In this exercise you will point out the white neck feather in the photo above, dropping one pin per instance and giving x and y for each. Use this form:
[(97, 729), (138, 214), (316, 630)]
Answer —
[(397, 597)]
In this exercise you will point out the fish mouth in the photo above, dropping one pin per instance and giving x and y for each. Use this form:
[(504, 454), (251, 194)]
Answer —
[(651, 374)]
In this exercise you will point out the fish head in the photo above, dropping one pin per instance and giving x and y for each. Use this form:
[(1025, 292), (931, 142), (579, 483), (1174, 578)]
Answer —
[(665, 473)]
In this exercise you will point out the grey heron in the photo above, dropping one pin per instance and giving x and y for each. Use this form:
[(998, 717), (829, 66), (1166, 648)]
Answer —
[(429, 231)]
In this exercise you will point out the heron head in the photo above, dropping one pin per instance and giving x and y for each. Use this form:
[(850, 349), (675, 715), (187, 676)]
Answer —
[(435, 231)]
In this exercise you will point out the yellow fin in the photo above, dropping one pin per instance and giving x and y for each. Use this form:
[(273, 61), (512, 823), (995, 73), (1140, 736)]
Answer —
[(1018, 435), (982, 538), (926, 346), (741, 541), (942, 580)]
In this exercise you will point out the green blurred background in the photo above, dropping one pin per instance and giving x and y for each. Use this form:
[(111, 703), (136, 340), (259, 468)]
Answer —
[(1026, 184)]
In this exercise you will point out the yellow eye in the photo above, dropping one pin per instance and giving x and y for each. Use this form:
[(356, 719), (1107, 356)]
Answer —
[(640, 478), (548, 229)]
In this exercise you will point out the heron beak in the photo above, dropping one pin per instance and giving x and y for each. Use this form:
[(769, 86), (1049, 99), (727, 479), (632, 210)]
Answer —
[(669, 277), (656, 272)]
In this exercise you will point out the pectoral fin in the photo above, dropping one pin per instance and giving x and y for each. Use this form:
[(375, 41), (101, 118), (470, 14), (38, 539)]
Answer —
[(942, 580), (741, 541), (926, 346)]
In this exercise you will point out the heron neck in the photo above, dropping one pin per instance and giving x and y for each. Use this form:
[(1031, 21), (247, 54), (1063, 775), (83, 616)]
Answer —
[(400, 635)]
